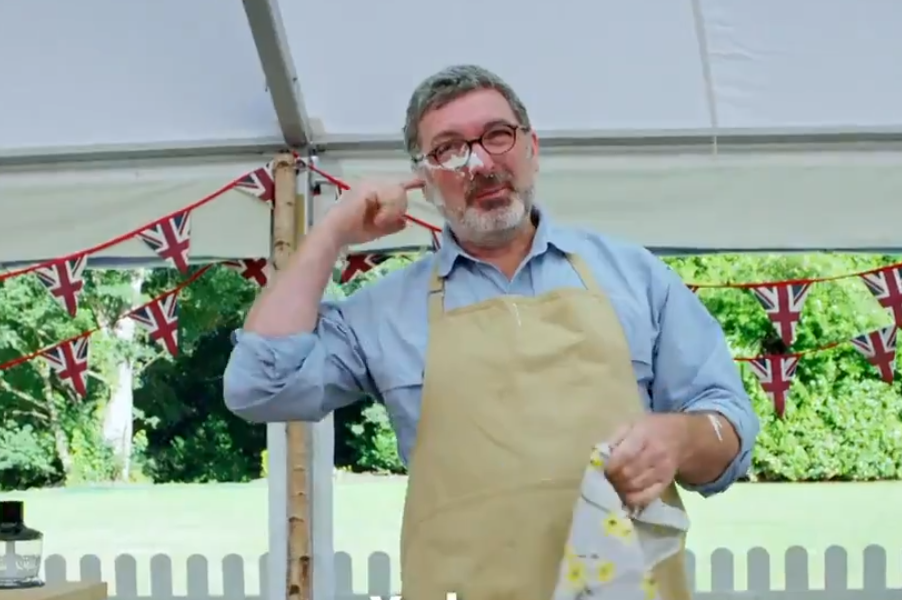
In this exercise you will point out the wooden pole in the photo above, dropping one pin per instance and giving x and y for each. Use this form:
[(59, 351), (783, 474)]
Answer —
[(289, 226)]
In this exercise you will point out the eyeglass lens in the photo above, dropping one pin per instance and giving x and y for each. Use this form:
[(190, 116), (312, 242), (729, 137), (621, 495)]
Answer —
[(454, 154)]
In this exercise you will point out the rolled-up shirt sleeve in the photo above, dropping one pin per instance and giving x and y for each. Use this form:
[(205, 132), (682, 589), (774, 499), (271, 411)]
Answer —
[(695, 371), (299, 377)]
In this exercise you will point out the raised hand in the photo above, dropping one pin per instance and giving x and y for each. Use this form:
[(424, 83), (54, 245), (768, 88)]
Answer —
[(371, 210)]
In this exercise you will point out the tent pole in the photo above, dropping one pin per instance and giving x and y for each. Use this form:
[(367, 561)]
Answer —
[(289, 226), (321, 450)]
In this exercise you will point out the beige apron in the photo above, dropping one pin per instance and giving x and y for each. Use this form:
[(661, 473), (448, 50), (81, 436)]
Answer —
[(517, 392)]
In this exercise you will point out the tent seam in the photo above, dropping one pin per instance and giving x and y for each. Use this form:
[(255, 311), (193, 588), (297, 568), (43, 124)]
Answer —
[(701, 36)]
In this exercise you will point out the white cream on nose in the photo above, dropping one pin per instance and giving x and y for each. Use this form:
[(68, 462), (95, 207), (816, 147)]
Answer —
[(474, 161)]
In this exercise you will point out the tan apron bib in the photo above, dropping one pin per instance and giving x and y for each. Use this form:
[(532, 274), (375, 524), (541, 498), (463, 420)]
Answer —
[(517, 392)]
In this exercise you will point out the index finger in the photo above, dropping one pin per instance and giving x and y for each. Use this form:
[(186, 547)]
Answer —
[(415, 183)]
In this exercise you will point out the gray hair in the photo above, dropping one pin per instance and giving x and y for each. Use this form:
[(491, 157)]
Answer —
[(449, 84)]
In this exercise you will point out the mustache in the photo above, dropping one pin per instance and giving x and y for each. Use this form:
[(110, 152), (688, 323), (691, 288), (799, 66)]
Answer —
[(483, 182)]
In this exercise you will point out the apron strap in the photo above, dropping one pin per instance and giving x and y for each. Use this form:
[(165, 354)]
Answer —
[(585, 273), (437, 284)]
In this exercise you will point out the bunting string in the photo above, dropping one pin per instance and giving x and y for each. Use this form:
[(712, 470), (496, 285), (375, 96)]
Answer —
[(169, 237), (69, 358)]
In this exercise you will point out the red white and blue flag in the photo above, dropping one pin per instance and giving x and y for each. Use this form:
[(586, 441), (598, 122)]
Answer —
[(64, 279), (171, 239), (69, 360), (886, 286), (775, 374), (160, 319), (357, 264), (259, 183), (783, 303), (253, 269), (879, 348)]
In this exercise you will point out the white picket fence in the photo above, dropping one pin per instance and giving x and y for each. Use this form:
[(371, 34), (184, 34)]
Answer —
[(124, 579)]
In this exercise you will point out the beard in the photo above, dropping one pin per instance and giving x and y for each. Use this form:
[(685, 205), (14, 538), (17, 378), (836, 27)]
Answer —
[(487, 223)]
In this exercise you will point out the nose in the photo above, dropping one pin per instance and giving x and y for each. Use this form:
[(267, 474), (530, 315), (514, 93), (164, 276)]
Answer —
[(480, 161)]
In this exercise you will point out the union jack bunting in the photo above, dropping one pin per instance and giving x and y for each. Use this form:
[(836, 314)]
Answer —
[(886, 286), (171, 239), (783, 303), (357, 264), (64, 279), (879, 347), (69, 360), (775, 374), (160, 319), (259, 183), (252, 269)]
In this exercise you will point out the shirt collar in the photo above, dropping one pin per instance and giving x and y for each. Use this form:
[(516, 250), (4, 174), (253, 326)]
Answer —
[(548, 234)]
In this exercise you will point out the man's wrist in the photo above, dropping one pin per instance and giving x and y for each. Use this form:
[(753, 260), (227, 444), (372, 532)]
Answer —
[(329, 236), (709, 445), (686, 426)]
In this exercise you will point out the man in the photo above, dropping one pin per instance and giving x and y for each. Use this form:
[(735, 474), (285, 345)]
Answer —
[(502, 359)]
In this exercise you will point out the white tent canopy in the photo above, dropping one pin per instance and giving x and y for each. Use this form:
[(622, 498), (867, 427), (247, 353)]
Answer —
[(685, 126), (690, 125)]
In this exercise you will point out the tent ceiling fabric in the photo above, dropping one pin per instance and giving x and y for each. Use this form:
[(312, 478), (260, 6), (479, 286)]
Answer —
[(131, 73), (805, 63), (603, 65), (171, 74), (612, 65)]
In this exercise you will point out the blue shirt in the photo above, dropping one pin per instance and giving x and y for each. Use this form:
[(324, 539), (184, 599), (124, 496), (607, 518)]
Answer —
[(375, 341)]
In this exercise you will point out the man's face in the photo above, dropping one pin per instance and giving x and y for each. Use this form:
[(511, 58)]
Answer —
[(487, 196)]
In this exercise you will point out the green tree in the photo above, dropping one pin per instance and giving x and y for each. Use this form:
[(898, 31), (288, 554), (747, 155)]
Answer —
[(51, 435), (182, 432), (191, 437), (842, 422)]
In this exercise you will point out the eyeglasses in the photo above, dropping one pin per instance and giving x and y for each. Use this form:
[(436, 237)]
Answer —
[(454, 154)]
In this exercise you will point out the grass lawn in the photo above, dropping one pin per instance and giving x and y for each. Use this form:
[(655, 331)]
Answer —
[(218, 519)]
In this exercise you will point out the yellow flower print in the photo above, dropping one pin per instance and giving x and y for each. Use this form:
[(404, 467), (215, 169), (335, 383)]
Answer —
[(596, 460), (616, 526), (649, 586), (576, 573), (605, 572)]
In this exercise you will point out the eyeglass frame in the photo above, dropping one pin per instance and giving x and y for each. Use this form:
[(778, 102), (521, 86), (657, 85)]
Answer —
[(516, 129)]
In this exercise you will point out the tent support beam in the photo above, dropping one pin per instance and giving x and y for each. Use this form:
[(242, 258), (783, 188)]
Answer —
[(727, 140), (265, 22), (700, 141), (114, 154)]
